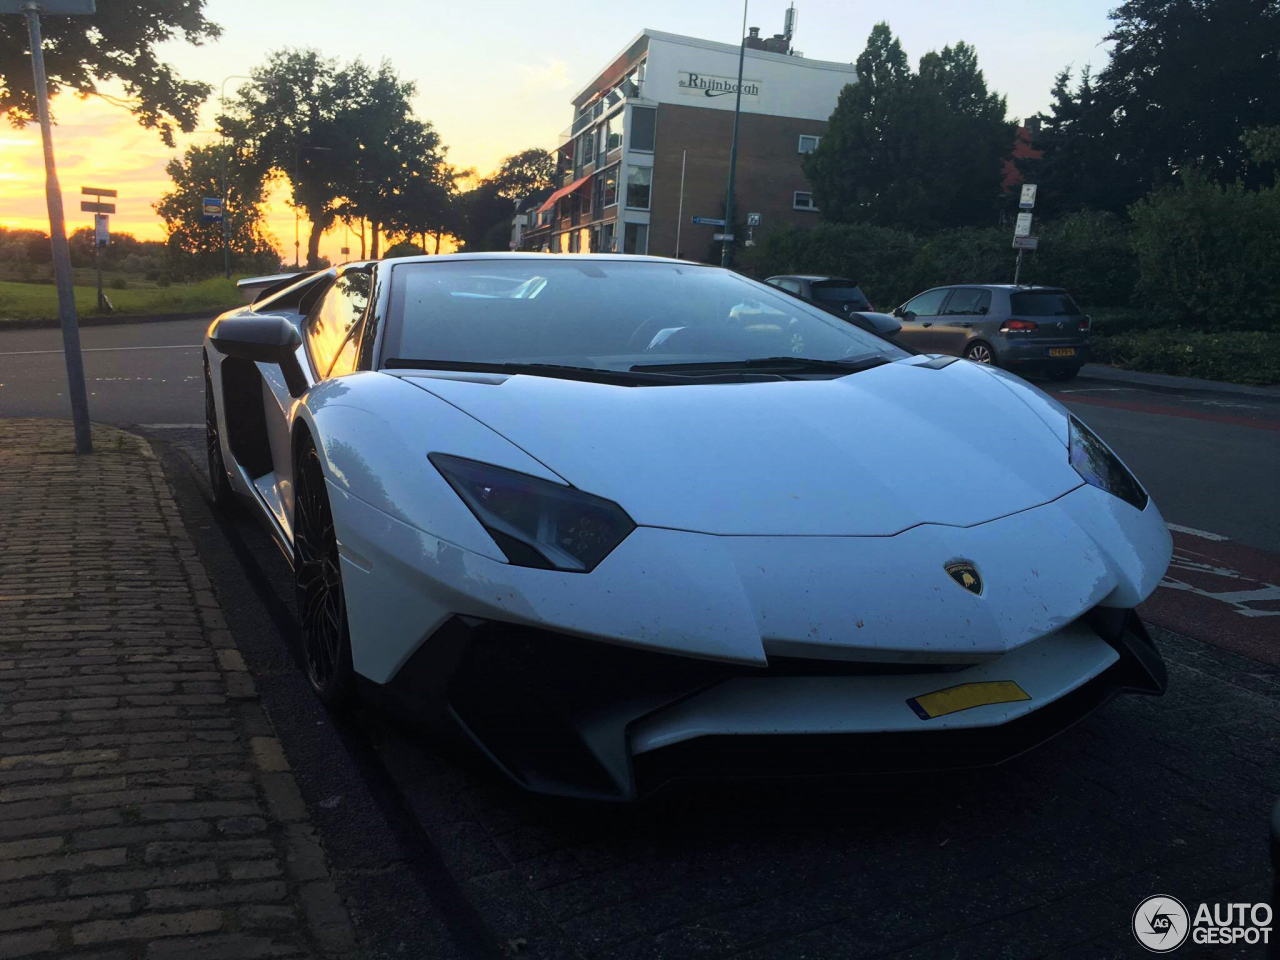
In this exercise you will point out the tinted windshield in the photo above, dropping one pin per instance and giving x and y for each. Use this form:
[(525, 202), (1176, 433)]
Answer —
[(607, 315), (1044, 303), (837, 292)]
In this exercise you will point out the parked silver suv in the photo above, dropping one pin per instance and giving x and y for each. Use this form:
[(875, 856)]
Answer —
[(1023, 329)]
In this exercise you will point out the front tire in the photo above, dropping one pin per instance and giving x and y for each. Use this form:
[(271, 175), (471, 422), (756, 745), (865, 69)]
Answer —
[(218, 482), (980, 353), (322, 608)]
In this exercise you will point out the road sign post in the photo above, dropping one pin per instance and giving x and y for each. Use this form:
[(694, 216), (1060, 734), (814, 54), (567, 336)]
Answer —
[(1022, 239), (100, 235), (57, 220)]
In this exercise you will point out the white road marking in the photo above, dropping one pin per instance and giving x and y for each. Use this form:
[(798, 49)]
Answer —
[(31, 353), (1238, 600), (1192, 531)]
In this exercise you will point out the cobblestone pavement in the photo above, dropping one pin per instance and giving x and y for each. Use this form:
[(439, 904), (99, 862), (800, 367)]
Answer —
[(147, 809)]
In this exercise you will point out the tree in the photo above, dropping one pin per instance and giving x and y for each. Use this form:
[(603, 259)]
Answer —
[(285, 120), (1077, 170), (920, 151), (1263, 145), (347, 140), (116, 44), (524, 173), (391, 159), (1186, 79), (199, 174), (973, 136), (486, 218)]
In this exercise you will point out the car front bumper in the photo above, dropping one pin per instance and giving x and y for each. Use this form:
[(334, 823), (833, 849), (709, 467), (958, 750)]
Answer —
[(583, 718)]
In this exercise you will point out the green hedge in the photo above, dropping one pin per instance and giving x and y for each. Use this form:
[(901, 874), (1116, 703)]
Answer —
[(1237, 356), (1209, 255), (1089, 253)]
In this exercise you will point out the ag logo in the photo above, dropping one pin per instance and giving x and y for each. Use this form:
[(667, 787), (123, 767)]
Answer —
[(1161, 924), (965, 574)]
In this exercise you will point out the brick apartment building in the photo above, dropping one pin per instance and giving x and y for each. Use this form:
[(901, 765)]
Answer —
[(648, 148)]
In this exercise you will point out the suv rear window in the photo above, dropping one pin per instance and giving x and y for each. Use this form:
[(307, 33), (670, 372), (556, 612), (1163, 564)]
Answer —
[(837, 291), (1043, 303)]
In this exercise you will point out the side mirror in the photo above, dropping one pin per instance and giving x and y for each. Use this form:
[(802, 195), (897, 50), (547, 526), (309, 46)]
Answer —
[(262, 339), (907, 315), (897, 311)]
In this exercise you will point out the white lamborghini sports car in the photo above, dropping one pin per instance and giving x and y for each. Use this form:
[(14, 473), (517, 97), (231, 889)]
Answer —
[(616, 520)]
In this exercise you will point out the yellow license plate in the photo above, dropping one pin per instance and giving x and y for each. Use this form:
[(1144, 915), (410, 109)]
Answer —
[(965, 696), (1062, 351)]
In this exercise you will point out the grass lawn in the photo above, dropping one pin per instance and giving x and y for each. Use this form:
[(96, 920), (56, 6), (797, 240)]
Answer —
[(26, 301)]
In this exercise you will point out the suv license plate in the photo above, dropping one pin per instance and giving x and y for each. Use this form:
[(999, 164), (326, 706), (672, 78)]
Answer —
[(1062, 351)]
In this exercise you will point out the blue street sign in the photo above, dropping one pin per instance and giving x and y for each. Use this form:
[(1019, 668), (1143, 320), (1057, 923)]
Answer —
[(211, 209), (709, 221)]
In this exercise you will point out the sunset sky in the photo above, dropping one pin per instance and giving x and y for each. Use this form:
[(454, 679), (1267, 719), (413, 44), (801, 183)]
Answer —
[(495, 76)]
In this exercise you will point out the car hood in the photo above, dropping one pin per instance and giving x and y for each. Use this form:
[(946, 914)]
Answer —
[(869, 454)]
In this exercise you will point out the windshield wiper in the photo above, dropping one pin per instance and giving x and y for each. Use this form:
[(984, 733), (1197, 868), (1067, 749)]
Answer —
[(851, 365), (563, 371)]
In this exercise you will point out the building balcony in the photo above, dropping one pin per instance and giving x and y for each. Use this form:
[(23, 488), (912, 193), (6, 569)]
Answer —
[(618, 96)]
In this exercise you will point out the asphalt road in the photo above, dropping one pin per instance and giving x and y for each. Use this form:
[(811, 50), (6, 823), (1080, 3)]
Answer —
[(1045, 856)]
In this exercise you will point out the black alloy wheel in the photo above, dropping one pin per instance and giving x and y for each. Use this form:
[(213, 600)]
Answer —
[(218, 482), (322, 608)]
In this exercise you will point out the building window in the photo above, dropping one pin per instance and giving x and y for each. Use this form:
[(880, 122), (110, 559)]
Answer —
[(808, 144), (607, 243), (639, 180), (606, 188), (803, 200), (643, 123), (573, 242), (613, 132), (635, 238)]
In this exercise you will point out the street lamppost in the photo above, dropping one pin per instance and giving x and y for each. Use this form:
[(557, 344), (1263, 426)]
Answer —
[(297, 152), (226, 226), (726, 254)]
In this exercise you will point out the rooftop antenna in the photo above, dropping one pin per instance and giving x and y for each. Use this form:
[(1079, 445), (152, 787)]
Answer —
[(789, 21)]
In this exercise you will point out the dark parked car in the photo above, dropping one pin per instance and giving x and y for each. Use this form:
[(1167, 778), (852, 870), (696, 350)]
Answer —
[(1023, 329), (832, 293), (839, 296)]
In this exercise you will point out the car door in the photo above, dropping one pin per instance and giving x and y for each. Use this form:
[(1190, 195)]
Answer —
[(326, 336), (919, 315), (956, 326)]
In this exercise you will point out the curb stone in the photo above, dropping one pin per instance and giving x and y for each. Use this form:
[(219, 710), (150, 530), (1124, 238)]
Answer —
[(1168, 383)]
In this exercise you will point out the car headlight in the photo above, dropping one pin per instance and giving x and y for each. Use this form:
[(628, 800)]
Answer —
[(1101, 468), (535, 522)]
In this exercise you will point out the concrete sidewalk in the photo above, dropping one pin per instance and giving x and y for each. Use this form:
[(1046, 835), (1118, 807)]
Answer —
[(146, 807)]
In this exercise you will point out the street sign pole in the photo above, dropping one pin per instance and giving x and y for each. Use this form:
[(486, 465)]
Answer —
[(97, 261), (1026, 202), (726, 254), (58, 240)]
